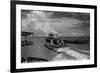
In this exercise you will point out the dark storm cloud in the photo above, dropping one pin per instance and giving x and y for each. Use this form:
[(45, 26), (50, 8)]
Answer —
[(24, 13), (80, 16), (65, 23)]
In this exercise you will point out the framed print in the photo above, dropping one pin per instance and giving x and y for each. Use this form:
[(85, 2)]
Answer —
[(52, 36)]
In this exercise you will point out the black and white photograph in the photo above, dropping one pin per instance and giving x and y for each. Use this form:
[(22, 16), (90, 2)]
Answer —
[(53, 36)]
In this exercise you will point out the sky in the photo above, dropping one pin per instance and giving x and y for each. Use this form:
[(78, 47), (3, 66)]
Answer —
[(66, 24)]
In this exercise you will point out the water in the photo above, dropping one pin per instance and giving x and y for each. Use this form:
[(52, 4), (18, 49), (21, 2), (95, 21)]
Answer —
[(38, 50)]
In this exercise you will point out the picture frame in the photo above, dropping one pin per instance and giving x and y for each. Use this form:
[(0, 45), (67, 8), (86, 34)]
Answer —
[(51, 13)]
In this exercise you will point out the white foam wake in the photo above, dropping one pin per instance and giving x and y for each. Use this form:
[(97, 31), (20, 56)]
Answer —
[(74, 54)]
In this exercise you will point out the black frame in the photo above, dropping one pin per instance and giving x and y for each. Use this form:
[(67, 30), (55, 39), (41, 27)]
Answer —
[(13, 36)]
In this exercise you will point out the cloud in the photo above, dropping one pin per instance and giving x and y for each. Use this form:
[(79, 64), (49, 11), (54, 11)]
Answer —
[(40, 20), (42, 23)]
